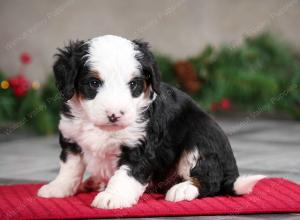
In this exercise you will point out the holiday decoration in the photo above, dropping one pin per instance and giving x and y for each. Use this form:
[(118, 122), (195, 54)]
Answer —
[(261, 75), (23, 105), (187, 76), (35, 85), (262, 71), (19, 84), (4, 84), (225, 104), (25, 58)]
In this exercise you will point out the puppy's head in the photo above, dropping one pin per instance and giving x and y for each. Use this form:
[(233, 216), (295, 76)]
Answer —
[(109, 80)]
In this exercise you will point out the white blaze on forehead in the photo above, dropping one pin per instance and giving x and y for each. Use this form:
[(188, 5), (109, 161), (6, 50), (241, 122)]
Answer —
[(114, 59), (113, 56)]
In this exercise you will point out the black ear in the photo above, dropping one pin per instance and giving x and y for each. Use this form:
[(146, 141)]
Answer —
[(148, 63), (70, 62)]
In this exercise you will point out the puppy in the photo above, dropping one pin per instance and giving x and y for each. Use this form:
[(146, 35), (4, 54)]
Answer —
[(126, 128)]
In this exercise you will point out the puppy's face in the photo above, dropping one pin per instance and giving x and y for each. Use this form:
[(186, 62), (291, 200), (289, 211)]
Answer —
[(112, 80)]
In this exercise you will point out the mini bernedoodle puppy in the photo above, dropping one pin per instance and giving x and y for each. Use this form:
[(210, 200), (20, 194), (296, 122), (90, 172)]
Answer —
[(128, 129)]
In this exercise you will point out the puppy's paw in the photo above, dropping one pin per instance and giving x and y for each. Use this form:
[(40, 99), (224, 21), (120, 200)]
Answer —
[(182, 191), (56, 190), (109, 200)]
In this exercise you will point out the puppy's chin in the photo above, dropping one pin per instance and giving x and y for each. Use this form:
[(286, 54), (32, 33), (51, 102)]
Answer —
[(111, 127)]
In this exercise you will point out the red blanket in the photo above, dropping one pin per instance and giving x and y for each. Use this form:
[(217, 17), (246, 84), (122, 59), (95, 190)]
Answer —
[(272, 195)]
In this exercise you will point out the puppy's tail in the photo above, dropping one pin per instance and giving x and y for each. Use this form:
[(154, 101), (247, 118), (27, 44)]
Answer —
[(245, 184)]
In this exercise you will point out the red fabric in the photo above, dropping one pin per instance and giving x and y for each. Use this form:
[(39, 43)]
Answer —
[(272, 195)]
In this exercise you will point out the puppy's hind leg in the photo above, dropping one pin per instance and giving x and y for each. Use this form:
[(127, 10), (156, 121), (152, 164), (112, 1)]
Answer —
[(203, 177), (186, 190), (68, 179)]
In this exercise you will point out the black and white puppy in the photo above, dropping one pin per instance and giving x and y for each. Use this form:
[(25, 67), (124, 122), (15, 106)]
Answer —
[(125, 127)]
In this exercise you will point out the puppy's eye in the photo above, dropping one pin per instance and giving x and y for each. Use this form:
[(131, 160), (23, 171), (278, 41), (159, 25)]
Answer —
[(136, 86), (133, 84), (95, 83)]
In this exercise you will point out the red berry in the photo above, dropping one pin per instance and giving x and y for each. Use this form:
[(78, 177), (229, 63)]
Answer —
[(225, 104), (19, 84), (25, 58)]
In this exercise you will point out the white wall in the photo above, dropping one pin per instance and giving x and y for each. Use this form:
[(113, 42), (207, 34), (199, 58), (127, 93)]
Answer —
[(179, 28)]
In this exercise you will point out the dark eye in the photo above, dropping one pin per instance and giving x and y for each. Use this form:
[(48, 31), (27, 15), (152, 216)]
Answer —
[(136, 86), (95, 83), (133, 84)]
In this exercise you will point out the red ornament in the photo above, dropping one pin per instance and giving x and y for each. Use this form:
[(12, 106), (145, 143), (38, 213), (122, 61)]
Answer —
[(25, 58), (225, 104), (19, 85)]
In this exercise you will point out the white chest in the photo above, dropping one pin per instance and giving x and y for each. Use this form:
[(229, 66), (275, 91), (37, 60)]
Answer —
[(100, 148)]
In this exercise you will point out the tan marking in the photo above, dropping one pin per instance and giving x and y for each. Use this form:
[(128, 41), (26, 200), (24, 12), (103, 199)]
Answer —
[(146, 89), (95, 74), (196, 182), (92, 73)]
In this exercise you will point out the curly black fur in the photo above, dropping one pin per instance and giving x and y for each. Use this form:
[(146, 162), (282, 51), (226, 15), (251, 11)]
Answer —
[(175, 124)]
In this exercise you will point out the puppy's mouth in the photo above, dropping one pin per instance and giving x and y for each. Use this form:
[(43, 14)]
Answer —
[(111, 127)]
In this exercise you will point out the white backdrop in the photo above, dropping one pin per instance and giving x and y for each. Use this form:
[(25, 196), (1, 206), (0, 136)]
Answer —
[(178, 28)]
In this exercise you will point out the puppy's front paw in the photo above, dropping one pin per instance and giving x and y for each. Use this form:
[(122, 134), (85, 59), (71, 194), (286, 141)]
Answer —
[(182, 191), (109, 200), (56, 190)]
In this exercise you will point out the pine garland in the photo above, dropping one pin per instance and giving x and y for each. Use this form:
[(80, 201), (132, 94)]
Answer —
[(260, 75)]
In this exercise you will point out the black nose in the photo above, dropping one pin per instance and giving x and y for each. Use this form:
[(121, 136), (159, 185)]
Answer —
[(113, 118)]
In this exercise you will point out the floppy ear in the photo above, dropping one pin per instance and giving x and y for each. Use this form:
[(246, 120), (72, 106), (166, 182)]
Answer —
[(70, 61), (149, 65)]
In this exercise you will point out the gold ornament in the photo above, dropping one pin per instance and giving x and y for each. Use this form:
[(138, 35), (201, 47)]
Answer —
[(4, 84), (35, 85)]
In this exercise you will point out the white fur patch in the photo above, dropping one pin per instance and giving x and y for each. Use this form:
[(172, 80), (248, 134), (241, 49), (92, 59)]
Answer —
[(114, 60), (122, 191), (187, 162), (67, 181), (182, 191), (100, 148), (244, 184)]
